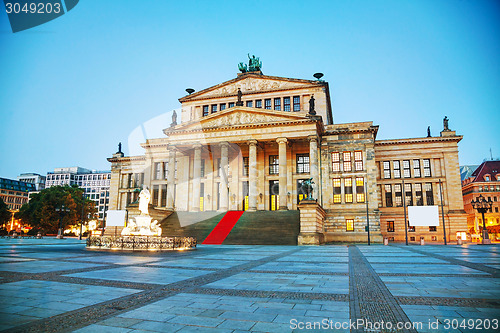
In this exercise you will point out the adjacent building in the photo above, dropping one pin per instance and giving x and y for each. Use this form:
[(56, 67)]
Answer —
[(95, 184), (33, 178), (485, 181), (15, 193), (252, 142)]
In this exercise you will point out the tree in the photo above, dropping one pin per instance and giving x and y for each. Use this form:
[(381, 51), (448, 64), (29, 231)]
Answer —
[(5, 213), (40, 212)]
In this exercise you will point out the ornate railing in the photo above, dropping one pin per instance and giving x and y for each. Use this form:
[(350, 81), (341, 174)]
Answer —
[(141, 243)]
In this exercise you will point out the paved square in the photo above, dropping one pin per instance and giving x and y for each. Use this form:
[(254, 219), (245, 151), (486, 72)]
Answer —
[(57, 285)]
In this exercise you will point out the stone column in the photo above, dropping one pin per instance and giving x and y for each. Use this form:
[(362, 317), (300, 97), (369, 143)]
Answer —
[(313, 165), (171, 178), (224, 161), (282, 175), (252, 175), (196, 177)]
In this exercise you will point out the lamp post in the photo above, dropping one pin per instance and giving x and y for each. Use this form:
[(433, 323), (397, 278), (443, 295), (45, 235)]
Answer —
[(61, 210), (83, 212), (482, 206)]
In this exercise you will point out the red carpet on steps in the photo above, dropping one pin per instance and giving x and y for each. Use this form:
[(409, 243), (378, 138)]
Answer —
[(223, 228)]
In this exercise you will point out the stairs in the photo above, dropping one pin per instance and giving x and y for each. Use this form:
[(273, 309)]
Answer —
[(253, 228)]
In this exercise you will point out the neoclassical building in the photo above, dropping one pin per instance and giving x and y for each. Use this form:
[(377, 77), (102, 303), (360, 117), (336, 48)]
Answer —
[(250, 144)]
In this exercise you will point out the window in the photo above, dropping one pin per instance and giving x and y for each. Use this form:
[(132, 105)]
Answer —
[(418, 195), (286, 104), (432, 228), (214, 108), (388, 195), (487, 178), (155, 195), (163, 201), (406, 169), (302, 163), (273, 164), (387, 170), (428, 194), (411, 229), (398, 195), (246, 163), (158, 170), (205, 110), (358, 160), (348, 189), (175, 170), (336, 191), (231, 105), (267, 104), (408, 195), (249, 104), (427, 168), (397, 169), (223, 106), (416, 169), (202, 170), (349, 225), (296, 103), (165, 170), (277, 104), (390, 226), (347, 161), (258, 103), (360, 189), (218, 166), (336, 162)]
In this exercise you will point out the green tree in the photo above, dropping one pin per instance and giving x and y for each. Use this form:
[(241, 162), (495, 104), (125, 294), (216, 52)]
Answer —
[(5, 214), (41, 211)]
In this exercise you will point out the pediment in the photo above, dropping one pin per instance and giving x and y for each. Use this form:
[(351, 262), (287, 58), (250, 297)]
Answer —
[(250, 84), (238, 116)]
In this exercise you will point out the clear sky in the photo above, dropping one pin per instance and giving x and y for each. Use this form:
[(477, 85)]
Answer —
[(71, 89)]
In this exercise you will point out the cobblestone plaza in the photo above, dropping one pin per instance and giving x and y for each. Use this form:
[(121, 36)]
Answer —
[(54, 285)]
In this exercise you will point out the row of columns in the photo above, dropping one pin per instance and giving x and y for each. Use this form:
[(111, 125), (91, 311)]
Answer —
[(252, 176)]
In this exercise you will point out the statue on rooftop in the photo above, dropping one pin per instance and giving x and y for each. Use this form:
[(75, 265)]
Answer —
[(311, 106), (119, 148), (428, 131), (239, 102), (254, 64), (174, 119), (445, 123)]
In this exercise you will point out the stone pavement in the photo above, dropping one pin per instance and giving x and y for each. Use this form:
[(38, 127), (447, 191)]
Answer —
[(52, 285)]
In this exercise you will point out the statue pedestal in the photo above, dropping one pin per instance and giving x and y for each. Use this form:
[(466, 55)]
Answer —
[(142, 226), (312, 216)]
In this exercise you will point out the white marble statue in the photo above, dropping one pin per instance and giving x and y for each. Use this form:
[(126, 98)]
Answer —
[(144, 198)]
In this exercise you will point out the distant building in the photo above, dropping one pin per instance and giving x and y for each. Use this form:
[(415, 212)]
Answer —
[(485, 181), (33, 178), (15, 193), (95, 184), (467, 170)]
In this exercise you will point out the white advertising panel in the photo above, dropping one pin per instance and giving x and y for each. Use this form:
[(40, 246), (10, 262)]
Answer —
[(115, 218), (423, 216)]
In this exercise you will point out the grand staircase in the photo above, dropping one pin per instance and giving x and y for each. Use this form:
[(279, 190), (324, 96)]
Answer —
[(253, 228)]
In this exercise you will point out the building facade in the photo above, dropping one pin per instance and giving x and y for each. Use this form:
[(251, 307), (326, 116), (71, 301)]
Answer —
[(33, 178), (94, 183), (251, 143), (484, 181), (15, 193)]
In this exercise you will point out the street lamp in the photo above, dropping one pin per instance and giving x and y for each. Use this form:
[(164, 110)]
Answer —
[(61, 210), (482, 206)]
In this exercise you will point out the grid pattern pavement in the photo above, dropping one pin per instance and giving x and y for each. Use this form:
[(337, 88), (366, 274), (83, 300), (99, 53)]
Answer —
[(54, 285)]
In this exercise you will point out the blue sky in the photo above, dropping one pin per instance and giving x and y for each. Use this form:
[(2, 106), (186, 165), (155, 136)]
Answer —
[(71, 89)]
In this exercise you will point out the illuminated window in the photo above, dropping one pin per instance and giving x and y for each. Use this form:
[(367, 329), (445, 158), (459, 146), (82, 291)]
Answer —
[(336, 162), (348, 189), (302, 163), (390, 226), (397, 169), (416, 169), (273, 165), (347, 161), (427, 168), (349, 225), (358, 160), (387, 170), (286, 104), (360, 189), (406, 169), (336, 191)]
